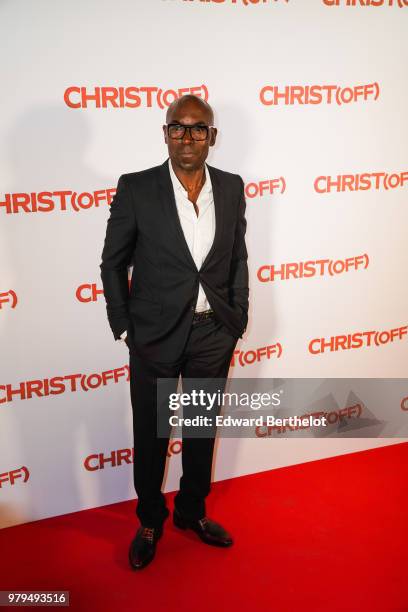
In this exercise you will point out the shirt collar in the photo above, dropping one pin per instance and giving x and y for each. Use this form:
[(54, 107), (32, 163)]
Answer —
[(206, 188)]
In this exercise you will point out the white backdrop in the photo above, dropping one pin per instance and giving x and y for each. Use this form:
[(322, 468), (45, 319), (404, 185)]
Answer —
[(301, 89)]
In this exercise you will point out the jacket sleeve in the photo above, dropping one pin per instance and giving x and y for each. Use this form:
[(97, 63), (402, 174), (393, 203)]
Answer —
[(239, 291), (120, 240)]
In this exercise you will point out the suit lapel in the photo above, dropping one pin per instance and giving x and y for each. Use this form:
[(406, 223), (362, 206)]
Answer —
[(171, 214), (169, 206), (219, 206)]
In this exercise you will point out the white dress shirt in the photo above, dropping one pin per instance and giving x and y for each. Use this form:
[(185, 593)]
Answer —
[(198, 231)]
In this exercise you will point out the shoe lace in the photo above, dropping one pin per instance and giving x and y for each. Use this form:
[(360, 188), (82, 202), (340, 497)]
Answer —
[(148, 533)]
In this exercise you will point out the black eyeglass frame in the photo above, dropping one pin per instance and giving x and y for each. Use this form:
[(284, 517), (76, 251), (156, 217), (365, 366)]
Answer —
[(189, 127)]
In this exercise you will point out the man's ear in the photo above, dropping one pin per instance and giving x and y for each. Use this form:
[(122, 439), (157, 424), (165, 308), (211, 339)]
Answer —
[(165, 133), (213, 136)]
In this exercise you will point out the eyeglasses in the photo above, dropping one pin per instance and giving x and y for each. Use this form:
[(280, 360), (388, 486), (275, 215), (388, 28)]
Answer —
[(197, 132)]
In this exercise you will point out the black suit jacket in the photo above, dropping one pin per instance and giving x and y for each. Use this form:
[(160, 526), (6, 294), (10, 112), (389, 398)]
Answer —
[(144, 230)]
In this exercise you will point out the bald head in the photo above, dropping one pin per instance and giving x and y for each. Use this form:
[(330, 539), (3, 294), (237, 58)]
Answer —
[(190, 101), (186, 153)]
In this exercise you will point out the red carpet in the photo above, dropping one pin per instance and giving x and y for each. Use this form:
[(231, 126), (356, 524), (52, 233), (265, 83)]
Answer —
[(325, 536)]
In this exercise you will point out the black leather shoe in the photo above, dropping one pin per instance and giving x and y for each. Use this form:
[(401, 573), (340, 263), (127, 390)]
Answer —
[(209, 531), (143, 546)]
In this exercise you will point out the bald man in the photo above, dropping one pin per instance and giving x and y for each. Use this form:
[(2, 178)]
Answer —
[(181, 225)]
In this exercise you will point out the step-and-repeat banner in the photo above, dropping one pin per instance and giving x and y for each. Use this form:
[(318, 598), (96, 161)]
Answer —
[(310, 103)]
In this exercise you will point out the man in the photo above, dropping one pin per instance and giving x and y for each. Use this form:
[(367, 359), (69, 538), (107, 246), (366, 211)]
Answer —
[(182, 227)]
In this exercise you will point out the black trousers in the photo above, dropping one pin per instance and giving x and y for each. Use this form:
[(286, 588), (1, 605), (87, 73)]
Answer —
[(207, 354)]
